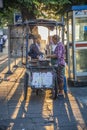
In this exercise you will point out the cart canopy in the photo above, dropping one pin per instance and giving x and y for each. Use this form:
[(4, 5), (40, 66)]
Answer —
[(41, 22)]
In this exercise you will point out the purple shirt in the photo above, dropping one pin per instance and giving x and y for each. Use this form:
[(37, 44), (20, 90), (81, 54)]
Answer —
[(60, 53)]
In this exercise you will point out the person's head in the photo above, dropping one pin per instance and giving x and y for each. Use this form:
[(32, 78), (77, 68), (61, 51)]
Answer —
[(37, 39), (55, 39)]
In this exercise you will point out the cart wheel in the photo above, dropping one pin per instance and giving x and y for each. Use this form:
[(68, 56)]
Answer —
[(37, 91), (25, 85), (55, 89)]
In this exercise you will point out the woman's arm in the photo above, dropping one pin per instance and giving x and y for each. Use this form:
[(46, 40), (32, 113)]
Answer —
[(51, 56)]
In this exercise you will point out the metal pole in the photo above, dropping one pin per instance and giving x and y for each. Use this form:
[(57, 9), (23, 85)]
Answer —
[(22, 47), (9, 56), (68, 50), (56, 30), (27, 36), (15, 51), (63, 30), (15, 66), (73, 48)]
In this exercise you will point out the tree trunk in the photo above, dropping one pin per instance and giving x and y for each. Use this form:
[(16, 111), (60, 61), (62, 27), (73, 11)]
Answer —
[(26, 14)]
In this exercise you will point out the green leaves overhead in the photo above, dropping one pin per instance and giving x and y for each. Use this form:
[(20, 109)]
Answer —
[(31, 9)]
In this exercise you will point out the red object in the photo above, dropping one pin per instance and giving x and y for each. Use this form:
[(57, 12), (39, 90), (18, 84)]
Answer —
[(81, 45)]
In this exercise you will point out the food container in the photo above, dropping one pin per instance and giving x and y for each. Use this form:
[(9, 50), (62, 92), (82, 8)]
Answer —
[(33, 62), (44, 62)]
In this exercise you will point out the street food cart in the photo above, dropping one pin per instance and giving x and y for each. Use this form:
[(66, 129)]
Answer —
[(40, 74), (77, 45)]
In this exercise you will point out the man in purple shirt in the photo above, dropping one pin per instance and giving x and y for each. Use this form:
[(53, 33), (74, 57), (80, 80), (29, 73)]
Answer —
[(59, 55)]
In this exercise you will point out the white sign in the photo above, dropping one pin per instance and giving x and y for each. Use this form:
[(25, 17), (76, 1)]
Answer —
[(42, 79), (17, 18), (81, 12)]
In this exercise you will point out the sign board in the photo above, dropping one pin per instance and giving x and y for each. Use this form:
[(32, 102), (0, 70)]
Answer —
[(1, 3), (81, 12), (42, 79), (17, 18), (85, 28)]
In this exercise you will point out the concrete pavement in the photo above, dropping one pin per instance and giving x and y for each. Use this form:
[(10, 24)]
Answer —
[(39, 112), (3, 56)]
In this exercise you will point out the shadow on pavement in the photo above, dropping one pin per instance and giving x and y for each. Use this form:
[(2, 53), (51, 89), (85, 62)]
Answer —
[(38, 112)]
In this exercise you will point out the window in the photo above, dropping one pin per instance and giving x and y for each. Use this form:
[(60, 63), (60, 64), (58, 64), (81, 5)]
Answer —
[(81, 29)]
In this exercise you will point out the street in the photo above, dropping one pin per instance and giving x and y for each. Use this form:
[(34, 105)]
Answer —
[(38, 112), (33, 33)]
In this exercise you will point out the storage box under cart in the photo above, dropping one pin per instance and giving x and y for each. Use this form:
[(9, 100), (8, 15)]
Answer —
[(40, 77)]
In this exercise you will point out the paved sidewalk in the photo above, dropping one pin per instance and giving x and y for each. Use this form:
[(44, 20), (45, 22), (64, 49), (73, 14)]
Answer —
[(40, 112), (3, 56)]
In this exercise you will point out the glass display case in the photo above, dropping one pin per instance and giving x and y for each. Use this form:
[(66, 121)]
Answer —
[(81, 29), (77, 42), (81, 60)]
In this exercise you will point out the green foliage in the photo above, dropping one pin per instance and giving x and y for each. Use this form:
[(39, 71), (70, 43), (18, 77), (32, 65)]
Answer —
[(31, 9)]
